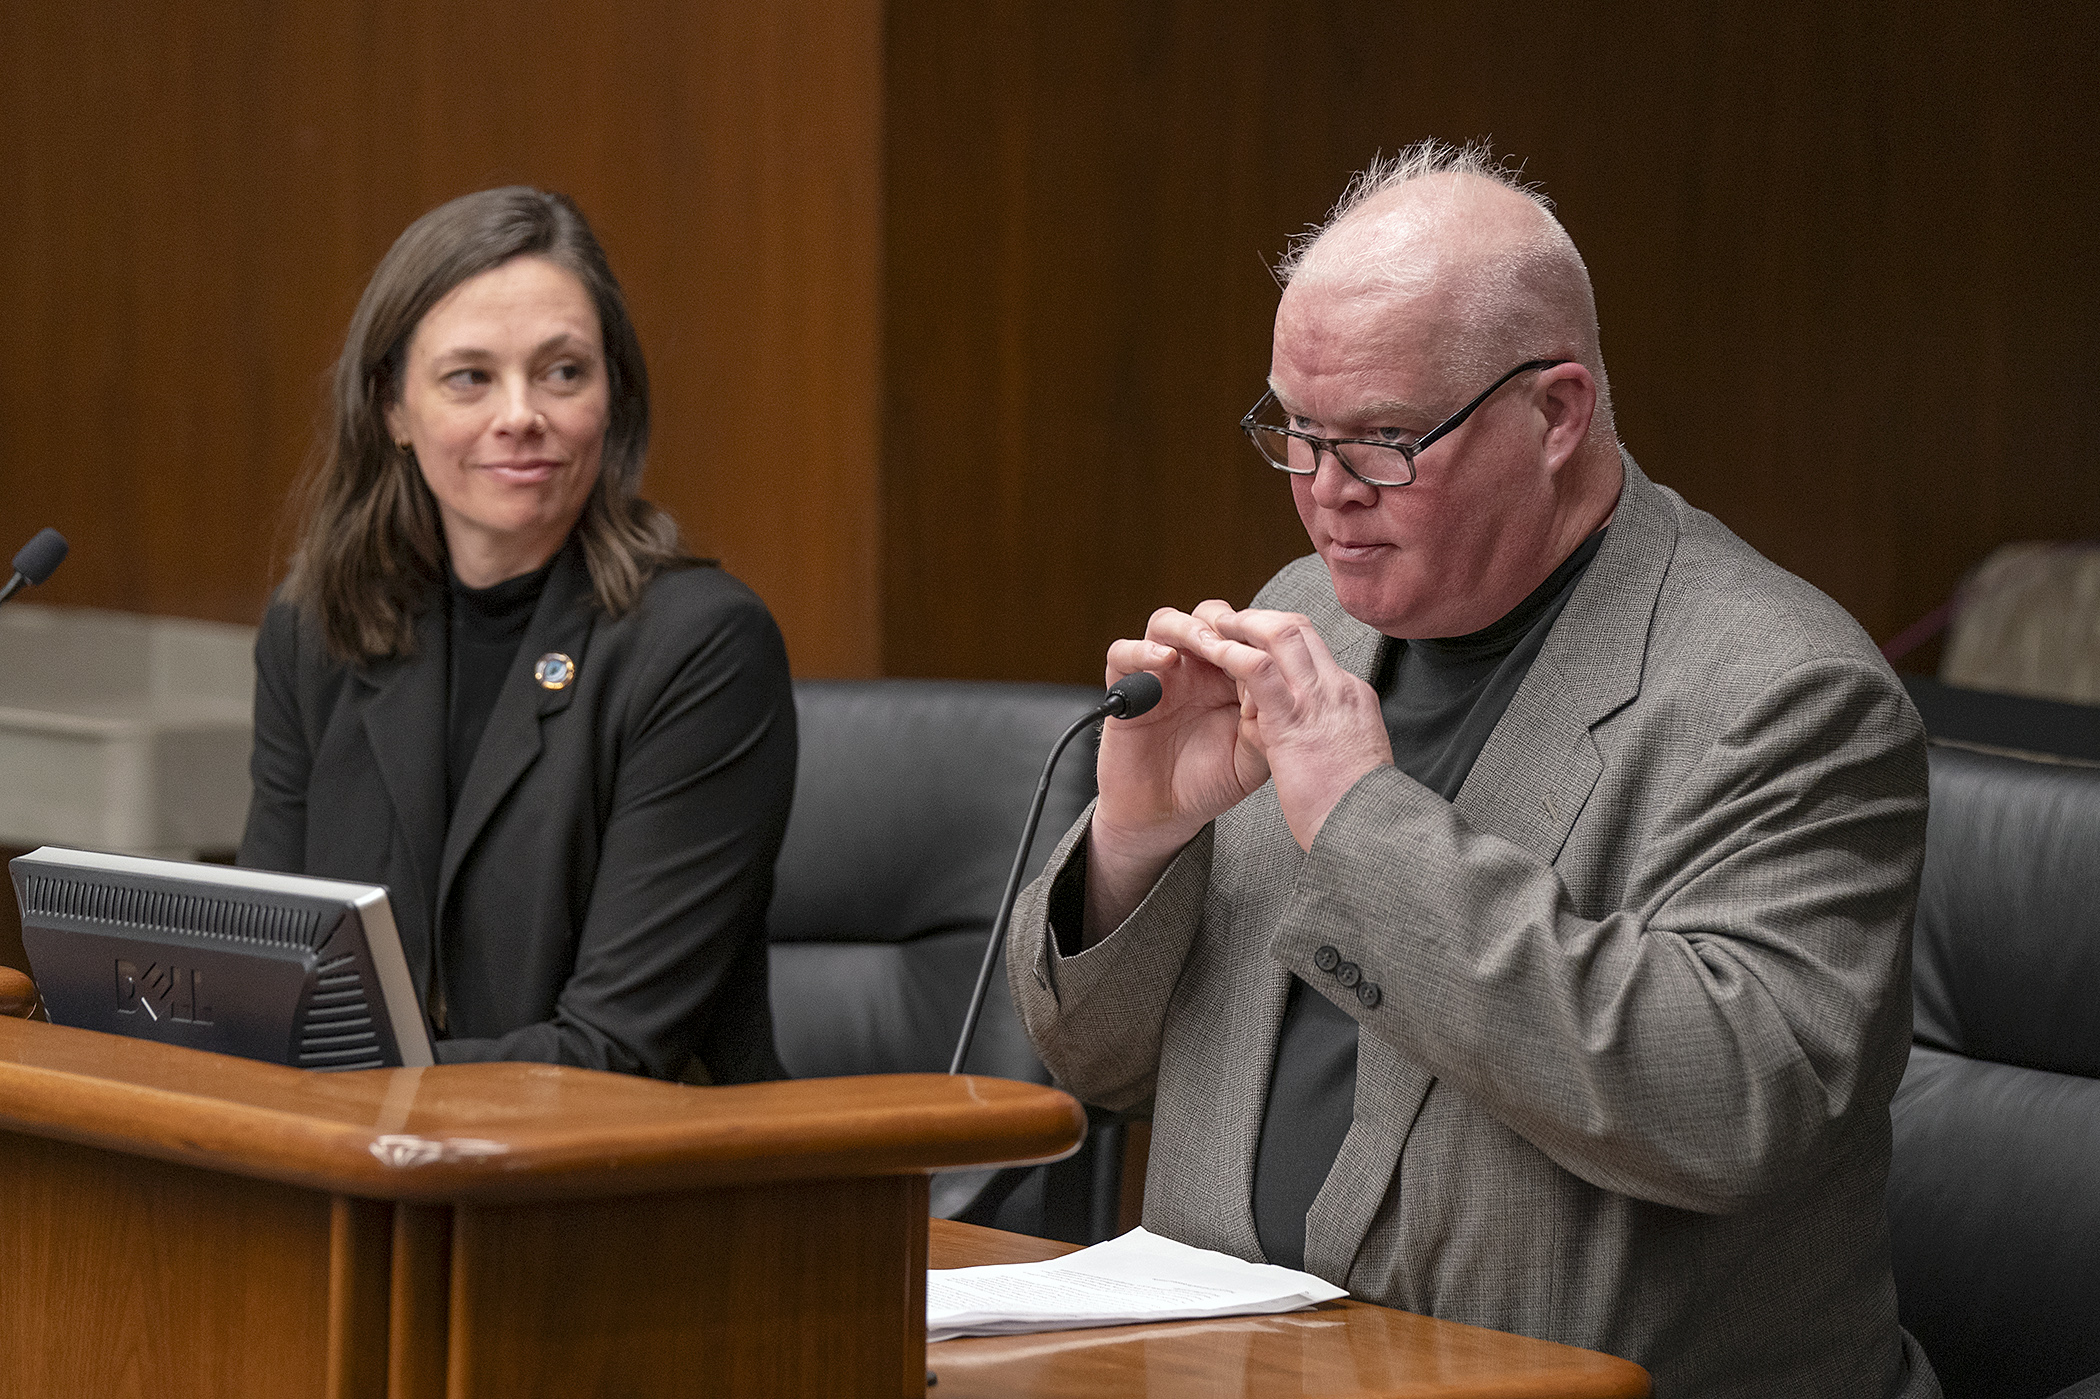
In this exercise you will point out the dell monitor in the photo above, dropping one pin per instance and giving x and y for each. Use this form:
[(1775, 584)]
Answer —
[(280, 967)]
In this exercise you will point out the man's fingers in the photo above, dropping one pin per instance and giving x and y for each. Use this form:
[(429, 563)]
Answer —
[(1273, 658), (1171, 626), (1299, 656), (1300, 653), (1250, 666), (1261, 627), (1182, 630), (1127, 657), (1170, 649)]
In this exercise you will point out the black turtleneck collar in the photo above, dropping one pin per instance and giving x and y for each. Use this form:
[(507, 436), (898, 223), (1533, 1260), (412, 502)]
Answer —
[(1443, 696), (486, 626), (502, 608)]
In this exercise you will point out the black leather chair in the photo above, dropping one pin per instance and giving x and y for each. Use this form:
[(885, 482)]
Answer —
[(909, 800), (1994, 1194), (2019, 725)]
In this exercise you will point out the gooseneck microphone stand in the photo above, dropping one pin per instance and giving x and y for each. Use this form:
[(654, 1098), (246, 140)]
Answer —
[(1129, 697)]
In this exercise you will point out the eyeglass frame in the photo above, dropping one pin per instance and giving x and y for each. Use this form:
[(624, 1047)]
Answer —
[(1408, 450)]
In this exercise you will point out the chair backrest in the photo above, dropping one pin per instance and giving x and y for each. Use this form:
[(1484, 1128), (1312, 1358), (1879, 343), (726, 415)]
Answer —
[(909, 800), (2019, 726), (1994, 1192)]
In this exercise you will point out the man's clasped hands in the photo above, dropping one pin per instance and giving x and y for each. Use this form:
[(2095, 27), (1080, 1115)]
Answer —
[(1250, 694)]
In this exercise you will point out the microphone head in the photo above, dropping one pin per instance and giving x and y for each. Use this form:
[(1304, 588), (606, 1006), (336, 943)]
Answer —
[(41, 556), (1135, 693)]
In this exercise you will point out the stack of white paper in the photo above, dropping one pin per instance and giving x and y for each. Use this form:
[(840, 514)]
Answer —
[(1139, 1277)]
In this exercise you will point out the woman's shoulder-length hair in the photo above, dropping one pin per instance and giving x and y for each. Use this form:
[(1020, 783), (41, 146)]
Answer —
[(370, 546)]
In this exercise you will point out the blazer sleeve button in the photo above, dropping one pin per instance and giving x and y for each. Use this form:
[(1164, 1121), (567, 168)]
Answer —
[(1368, 995), (1327, 959), (1348, 973)]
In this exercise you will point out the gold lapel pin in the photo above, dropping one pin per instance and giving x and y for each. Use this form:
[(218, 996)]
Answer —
[(554, 671)]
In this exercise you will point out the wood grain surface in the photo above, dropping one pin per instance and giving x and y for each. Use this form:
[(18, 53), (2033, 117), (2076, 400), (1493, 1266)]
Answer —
[(802, 1289), (359, 1259), (1340, 1350), (500, 1131), (419, 1301), (17, 993), (122, 1278), (124, 1272)]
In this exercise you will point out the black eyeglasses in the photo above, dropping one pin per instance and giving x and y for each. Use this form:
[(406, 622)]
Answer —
[(1375, 461)]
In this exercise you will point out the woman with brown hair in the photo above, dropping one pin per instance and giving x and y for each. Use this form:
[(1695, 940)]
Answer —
[(494, 683)]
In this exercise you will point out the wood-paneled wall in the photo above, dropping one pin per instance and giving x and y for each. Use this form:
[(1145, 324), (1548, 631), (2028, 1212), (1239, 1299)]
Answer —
[(195, 194), (952, 307), (1844, 258)]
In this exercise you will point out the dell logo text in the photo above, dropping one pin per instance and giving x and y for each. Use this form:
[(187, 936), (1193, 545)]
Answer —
[(162, 991)]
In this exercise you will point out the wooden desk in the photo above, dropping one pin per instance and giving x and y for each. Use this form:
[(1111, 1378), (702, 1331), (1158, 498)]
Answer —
[(182, 1224), (1339, 1350)]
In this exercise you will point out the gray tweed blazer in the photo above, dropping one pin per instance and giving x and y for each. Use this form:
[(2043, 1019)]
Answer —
[(1641, 994)]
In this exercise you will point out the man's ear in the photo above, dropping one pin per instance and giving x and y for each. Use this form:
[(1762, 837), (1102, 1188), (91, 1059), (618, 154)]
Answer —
[(1568, 399)]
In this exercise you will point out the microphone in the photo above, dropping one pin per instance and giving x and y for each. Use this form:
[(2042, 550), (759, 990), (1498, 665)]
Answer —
[(37, 560), (1129, 697)]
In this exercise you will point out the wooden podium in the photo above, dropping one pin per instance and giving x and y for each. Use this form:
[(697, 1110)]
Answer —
[(183, 1224)]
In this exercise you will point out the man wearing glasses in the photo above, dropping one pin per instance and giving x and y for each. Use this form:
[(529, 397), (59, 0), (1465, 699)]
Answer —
[(1507, 916)]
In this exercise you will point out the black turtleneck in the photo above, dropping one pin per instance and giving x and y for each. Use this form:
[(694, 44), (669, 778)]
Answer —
[(487, 625), (1441, 699)]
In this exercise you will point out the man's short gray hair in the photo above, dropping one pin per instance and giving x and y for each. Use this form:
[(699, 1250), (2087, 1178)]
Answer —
[(1386, 172)]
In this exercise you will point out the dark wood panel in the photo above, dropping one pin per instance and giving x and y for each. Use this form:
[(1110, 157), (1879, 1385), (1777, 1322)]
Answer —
[(704, 1294), (359, 1246), (196, 194), (419, 1300), (1844, 259), (952, 307), (1076, 315), (11, 951)]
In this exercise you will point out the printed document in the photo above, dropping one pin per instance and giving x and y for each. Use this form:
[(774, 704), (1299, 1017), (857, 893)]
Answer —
[(1137, 1278)]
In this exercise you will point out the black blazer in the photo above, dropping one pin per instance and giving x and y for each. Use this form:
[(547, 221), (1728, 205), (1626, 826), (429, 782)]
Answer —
[(599, 897)]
